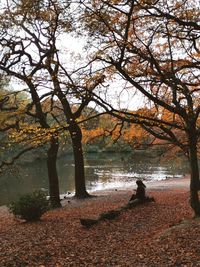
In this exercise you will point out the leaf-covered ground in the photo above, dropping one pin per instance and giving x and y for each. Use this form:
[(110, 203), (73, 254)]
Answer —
[(154, 234)]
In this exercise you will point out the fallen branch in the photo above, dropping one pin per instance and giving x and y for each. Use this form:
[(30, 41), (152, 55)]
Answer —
[(112, 214)]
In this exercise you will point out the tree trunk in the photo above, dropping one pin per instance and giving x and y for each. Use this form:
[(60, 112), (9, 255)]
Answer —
[(52, 173), (194, 168), (76, 136)]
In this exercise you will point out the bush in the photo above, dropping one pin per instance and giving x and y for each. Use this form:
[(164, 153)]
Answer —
[(30, 207)]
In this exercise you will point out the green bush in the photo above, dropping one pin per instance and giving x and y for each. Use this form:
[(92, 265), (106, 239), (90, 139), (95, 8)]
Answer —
[(30, 207)]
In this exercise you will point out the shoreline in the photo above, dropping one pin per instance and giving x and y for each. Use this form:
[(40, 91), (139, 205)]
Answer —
[(171, 183), (163, 185), (137, 237), (152, 186)]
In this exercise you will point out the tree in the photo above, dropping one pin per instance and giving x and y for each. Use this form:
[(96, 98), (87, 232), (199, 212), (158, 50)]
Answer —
[(16, 126), (83, 92), (31, 53), (18, 62), (154, 47)]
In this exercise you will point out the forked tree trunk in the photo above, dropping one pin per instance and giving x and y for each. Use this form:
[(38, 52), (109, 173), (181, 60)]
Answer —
[(52, 173), (194, 168), (76, 136)]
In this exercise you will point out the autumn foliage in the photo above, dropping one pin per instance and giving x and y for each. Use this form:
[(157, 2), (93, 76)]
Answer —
[(148, 235)]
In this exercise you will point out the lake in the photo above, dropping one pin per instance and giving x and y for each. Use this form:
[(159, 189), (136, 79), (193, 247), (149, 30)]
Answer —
[(103, 171)]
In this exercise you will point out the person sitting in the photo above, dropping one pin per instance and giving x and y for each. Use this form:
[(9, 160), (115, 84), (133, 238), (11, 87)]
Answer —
[(140, 191)]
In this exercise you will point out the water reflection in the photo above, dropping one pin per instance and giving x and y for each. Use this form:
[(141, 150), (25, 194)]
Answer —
[(103, 171)]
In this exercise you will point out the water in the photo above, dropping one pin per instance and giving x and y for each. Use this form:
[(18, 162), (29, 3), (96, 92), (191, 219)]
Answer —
[(103, 171)]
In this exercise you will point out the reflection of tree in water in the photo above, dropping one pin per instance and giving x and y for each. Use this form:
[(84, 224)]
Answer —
[(11, 182), (91, 178), (140, 162), (66, 174), (136, 160), (11, 170), (94, 161)]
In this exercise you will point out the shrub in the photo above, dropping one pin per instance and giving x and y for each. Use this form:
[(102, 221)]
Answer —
[(30, 207)]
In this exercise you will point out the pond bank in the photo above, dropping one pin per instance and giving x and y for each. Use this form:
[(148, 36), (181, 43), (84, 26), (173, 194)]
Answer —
[(168, 184), (103, 171), (146, 236), (179, 183)]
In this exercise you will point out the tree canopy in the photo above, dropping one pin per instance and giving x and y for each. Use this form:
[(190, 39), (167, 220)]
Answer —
[(154, 47)]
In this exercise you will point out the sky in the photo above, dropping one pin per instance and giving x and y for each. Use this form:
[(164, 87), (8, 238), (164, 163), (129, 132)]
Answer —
[(119, 97), (73, 48)]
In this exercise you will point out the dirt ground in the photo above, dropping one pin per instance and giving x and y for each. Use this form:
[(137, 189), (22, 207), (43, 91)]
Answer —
[(161, 233)]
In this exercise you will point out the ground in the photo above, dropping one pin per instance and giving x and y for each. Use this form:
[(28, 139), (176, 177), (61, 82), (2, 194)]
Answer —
[(162, 233)]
